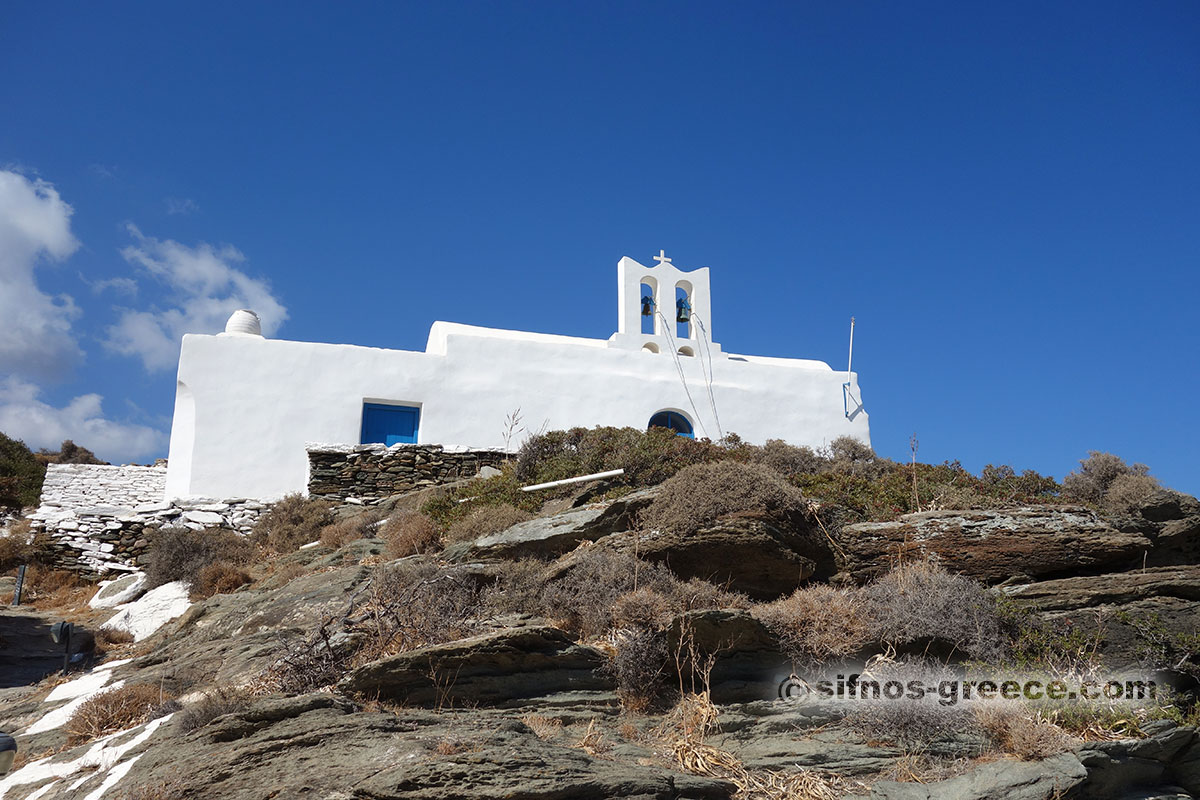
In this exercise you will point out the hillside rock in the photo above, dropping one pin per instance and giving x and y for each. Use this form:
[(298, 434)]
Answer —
[(997, 780), (994, 545), (493, 669), (749, 664), (1116, 768), (547, 537), (319, 745), (1166, 599), (1166, 505), (756, 555)]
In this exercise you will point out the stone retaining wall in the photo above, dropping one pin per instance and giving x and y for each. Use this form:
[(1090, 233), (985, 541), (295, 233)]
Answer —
[(96, 516), (368, 473)]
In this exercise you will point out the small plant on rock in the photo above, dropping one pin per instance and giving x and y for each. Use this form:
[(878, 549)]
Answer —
[(700, 495), (293, 521), (408, 533), (117, 710), (180, 554)]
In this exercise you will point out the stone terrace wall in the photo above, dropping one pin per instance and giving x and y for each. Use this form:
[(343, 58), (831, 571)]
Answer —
[(368, 473), (97, 515)]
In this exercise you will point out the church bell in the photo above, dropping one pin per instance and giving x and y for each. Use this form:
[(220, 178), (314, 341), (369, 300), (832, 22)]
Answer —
[(647, 306), (683, 310)]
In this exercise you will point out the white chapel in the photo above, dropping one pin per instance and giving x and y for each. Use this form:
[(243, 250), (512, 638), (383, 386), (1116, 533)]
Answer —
[(247, 407)]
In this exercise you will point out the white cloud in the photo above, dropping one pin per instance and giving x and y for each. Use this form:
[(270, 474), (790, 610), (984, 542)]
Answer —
[(35, 328), (205, 289), (119, 285), (23, 415), (181, 205)]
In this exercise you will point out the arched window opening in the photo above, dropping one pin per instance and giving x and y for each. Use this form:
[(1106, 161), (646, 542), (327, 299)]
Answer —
[(648, 306), (686, 351), (673, 420), (650, 347), (683, 312)]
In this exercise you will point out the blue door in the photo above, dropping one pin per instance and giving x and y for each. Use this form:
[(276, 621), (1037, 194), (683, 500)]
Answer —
[(389, 424)]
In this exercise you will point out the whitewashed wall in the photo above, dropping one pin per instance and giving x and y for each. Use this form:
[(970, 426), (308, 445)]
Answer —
[(246, 406)]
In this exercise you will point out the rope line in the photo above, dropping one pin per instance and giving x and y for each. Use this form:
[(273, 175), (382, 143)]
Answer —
[(682, 377)]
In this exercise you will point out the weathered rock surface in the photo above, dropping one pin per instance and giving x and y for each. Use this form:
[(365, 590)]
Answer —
[(1117, 768), (547, 537), (994, 545), (1163, 598), (997, 780), (749, 665), (493, 669), (323, 746), (756, 555)]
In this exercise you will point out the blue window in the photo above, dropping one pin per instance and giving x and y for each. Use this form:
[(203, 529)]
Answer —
[(673, 420), (389, 424)]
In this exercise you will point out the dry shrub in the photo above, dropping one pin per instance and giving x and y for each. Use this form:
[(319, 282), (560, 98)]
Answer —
[(114, 636), (582, 600), (919, 603), (697, 594), (293, 521), (639, 667), (416, 603), (1096, 475), (345, 531), (1025, 734), (1128, 492), (15, 547), (217, 703), (817, 623), (485, 521), (179, 554), (914, 725), (700, 495), (642, 608), (788, 459), (218, 578), (518, 587), (55, 588), (408, 533), (116, 710)]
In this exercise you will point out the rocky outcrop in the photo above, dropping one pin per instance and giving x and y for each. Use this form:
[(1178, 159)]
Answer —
[(993, 545), (1163, 758), (493, 669), (997, 780), (548, 537), (324, 746), (759, 556), (1119, 608), (368, 473)]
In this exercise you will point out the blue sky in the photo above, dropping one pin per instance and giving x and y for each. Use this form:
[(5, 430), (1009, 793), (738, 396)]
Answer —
[(1005, 196)]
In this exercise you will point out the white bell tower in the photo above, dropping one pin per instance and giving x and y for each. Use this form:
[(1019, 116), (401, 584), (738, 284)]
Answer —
[(667, 285)]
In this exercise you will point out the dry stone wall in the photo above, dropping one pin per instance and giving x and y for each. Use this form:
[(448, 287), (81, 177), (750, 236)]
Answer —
[(96, 516), (368, 473)]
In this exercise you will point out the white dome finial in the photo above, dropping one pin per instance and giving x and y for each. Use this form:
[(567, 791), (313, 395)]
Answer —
[(245, 322)]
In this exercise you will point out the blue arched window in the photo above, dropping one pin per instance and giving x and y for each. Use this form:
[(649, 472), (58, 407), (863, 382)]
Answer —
[(673, 420)]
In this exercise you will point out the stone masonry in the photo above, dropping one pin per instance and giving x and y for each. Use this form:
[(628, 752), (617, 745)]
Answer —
[(97, 515), (368, 473)]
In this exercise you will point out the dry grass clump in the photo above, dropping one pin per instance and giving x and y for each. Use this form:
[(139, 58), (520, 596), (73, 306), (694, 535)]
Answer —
[(485, 521), (914, 725), (344, 531), (546, 728), (818, 623), (179, 554), (1016, 730), (582, 600), (700, 495), (1128, 492), (413, 604), (220, 577), (408, 533), (60, 589), (921, 604), (15, 546), (293, 521), (217, 703), (116, 710), (114, 636), (697, 594)]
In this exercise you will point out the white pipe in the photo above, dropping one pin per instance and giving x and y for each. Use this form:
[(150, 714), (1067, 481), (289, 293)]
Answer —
[(850, 358), (612, 473)]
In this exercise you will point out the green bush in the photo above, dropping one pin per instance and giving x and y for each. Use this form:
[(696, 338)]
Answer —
[(648, 457), (21, 474)]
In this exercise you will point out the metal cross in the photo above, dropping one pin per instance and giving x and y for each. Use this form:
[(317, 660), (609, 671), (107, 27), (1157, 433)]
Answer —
[(662, 257)]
